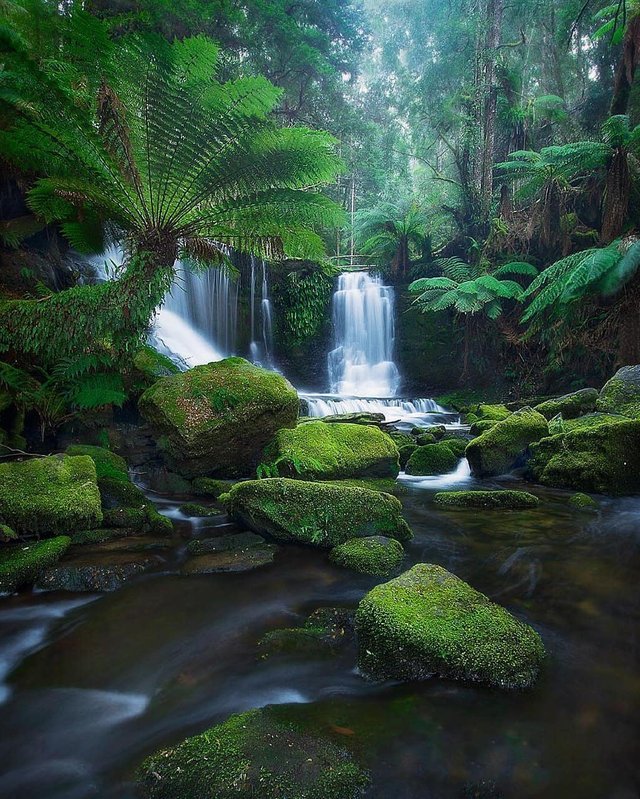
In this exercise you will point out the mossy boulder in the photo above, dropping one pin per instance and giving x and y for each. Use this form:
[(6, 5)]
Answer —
[(319, 451), (269, 753), (108, 464), (425, 438), (116, 493), (90, 571), (401, 439), (326, 631), (600, 458), (216, 419), (7, 534), (405, 452), (318, 514), (432, 459), (496, 413), (145, 519), (456, 444), (506, 445), (22, 564), (207, 487), (56, 494), (225, 543), (427, 622), (621, 394), (583, 501), (503, 500), (377, 555), (481, 426), (230, 561), (357, 417), (196, 510), (151, 365), (570, 405)]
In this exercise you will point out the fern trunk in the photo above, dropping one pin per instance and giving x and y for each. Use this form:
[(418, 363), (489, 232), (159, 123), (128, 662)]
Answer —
[(617, 191), (626, 70), (629, 332)]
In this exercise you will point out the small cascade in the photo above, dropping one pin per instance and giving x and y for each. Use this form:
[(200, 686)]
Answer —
[(261, 351), (361, 363)]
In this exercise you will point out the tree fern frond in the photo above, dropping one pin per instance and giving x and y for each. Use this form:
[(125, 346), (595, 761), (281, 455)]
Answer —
[(516, 268)]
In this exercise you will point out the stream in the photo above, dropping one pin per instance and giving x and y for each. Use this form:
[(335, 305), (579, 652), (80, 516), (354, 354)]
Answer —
[(91, 684)]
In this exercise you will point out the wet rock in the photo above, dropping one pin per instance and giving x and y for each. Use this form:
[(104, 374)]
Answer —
[(570, 405), (22, 564), (506, 445), (235, 560), (405, 452), (583, 501), (424, 439), (48, 495), (207, 487), (319, 451), (107, 463), (225, 543), (318, 514), (271, 752), (432, 459), (621, 394), (198, 511), (376, 555), (456, 444), (216, 419), (427, 622), (506, 500), (97, 572), (325, 632), (358, 417)]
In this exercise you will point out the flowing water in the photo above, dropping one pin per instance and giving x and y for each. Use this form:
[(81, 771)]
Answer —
[(90, 685)]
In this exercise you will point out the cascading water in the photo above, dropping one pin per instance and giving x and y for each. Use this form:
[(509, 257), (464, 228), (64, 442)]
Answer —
[(261, 351), (361, 364)]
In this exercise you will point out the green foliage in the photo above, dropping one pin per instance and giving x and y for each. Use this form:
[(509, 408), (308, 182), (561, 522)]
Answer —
[(392, 232), (302, 297)]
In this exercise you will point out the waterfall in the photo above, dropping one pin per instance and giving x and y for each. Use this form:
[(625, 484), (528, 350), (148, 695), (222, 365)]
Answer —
[(261, 351), (361, 363)]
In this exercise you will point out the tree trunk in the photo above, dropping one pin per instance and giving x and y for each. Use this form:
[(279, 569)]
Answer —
[(617, 190), (629, 330), (495, 10), (626, 70)]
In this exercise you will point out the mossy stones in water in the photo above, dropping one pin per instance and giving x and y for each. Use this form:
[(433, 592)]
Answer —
[(570, 405), (319, 451), (427, 622), (196, 510), (375, 555), (318, 514), (108, 464), (96, 571), (225, 543), (22, 564), (237, 552), (405, 452), (216, 419), (208, 487), (325, 632), (499, 449), (583, 501), (432, 459), (425, 438), (456, 444), (55, 494), (481, 426), (487, 500), (621, 394), (269, 753)]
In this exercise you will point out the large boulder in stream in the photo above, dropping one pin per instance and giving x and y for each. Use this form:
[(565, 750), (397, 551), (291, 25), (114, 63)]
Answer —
[(598, 453), (570, 405), (621, 394), (269, 753), (317, 514), (506, 444), (22, 564), (428, 622), (320, 451), (432, 459), (55, 494), (216, 419)]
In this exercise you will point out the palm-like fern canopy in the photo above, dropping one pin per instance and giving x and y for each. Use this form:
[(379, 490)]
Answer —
[(167, 155), (391, 230)]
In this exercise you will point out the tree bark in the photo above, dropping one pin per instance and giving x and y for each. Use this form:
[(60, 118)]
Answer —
[(626, 70)]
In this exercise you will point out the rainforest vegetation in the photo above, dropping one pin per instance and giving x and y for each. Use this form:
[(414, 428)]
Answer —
[(312, 311)]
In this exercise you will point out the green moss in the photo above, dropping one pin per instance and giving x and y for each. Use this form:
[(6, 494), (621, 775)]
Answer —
[(570, 405), (460, 400), (207, 487), (294, 641), (401, 439), (375, 555), (602, 458), (456, 444), (583, 501), (145, 519), (481, 426), (318, 514), (499, 449), (120, 493), (386, 485), (357, 417), (101, 534), (7, 534), (621, 394), (405, 452), (486, 499), (319, 451), (425, 438), (429, 622), (152, 364), (108, 464), (267, 753), (432, 459), (196, 510), (216, 419), (21, 564), (49, 495), (494, 413)]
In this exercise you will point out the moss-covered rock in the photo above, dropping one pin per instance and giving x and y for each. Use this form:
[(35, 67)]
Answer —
[(230, 561), (583, 501), (7, 534), (319, 514), (102, 534), (456, 444), (432, 459), (401, 439), (267, 754), (357, 417), (198, 511), (507, 500), (22, 564), (56, 494), (504, 446), (207, 487), (95, 571), (116, 493), (621, 394), (481, 426), (601, 458), (385, 484), (424, 439), (428, 622), (216, 419), (570, 405), (108, 464), (325, 632), (152, 365), (225, 543), (319, 451), (375, 555), (405, 452)]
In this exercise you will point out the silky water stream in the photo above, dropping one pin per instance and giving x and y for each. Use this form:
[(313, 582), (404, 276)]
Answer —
[(91, 684)]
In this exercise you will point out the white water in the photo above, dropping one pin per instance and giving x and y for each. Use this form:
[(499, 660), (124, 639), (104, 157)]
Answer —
[(261, 351), (460, 476), (361, 363), (174, 337)]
